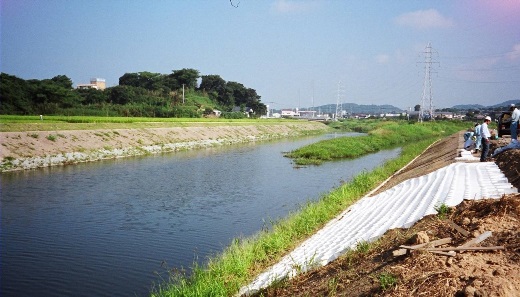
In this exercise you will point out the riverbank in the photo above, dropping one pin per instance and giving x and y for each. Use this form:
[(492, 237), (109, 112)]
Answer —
[(372, 270), (31, 149)]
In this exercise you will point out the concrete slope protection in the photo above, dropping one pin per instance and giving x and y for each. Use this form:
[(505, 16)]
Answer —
[(398, 207)]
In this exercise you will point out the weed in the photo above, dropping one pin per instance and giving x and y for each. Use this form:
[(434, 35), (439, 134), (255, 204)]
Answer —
[(34, 135), (333, 286), (363, 247), (387, 280), (51, 137), (9, 158), (443, 211)]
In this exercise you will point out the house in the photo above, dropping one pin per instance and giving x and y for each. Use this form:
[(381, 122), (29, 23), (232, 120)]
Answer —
[(290, 113), (95, 83)]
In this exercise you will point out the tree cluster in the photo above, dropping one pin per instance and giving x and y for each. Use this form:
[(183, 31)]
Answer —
[(138, 94)]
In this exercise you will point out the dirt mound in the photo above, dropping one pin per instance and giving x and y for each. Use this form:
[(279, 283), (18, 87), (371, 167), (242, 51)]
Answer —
[(375, 271)]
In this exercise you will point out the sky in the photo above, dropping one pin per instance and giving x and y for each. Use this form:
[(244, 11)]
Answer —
[(294, 53)]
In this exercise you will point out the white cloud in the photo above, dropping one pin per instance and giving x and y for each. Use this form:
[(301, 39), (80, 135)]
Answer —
[(515, 53), (423, 19), (290, 6), (382, 58)]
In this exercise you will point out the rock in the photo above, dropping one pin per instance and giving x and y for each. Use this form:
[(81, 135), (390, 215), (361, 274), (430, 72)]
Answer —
[(421, 237), (469, 291)]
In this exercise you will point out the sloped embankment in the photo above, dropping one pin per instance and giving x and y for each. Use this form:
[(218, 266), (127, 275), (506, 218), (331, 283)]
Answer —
[(33, 149)]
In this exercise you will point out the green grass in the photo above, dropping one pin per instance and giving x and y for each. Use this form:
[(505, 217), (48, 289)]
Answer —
[(244, 258), (387, 280), (443, 211), (14, 123), (385, 134)]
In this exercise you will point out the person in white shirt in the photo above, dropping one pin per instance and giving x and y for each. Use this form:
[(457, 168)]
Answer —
[(515, 116), (486, 135)]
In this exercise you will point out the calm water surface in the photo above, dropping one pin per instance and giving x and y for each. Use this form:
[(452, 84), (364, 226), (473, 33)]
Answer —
[(112, 228)]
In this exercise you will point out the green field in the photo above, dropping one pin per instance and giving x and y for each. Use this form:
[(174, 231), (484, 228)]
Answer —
[(13, 123)]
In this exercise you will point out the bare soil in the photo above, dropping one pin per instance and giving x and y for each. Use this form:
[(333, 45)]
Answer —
[(377, 272)]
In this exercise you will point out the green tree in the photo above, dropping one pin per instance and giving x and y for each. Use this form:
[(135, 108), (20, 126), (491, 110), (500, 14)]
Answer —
[(144, 79), (62, 81), (121, 94), (14, 95), (212, 83), (92, 96), (187, 77)]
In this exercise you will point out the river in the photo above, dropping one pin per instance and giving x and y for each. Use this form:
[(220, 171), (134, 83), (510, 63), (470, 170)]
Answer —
[(114, 228)]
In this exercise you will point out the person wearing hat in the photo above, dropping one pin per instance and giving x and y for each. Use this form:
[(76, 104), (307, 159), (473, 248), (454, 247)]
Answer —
[(486, 135), (515, 116)]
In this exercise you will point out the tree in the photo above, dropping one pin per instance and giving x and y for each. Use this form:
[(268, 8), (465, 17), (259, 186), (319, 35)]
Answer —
[(147, 80), (93, 96), (14, 96), (417, 107), (121, 94), (62, 81), (212, 83), (187, 77)]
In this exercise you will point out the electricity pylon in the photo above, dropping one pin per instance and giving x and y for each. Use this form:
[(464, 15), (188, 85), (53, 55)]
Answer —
[(427, 94), (339, 108)]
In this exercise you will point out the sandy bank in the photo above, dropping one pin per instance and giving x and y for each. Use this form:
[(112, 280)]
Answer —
[(34, 149)]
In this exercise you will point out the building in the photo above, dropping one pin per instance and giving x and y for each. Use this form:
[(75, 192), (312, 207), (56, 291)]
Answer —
[(95, 83)]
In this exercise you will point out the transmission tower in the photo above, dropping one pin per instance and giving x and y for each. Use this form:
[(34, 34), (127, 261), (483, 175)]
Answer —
[(339, 104), (427, 95)]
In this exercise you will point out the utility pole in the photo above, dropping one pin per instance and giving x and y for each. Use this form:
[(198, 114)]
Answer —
[(182, 93), (427, 94), (313, 95)]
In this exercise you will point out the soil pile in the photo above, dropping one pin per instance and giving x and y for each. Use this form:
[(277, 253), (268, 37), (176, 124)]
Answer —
[(375, 271)]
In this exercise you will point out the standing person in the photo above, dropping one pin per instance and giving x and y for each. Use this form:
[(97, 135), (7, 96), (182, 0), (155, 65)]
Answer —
[(478, 138), (486, 135), (515, 116)]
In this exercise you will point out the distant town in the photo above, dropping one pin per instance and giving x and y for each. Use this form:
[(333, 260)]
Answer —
[(355, 111)]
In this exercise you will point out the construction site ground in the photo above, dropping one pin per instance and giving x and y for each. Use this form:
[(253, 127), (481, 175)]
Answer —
[(376, 271)]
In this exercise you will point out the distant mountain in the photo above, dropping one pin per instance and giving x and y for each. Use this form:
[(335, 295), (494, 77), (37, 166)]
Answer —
[(387, 108), (507, 103), (468, 106), (356, 108), (503, 105)]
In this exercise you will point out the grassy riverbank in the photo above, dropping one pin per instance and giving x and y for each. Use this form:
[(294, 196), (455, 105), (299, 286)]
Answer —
[(225, 274), (381, 135), (28, 142), (14, 123)]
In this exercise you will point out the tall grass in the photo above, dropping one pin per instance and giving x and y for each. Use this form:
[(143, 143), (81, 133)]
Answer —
[(245, 258), (384, 134)]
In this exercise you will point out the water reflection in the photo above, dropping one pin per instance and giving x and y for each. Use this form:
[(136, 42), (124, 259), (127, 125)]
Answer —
[(104, 228)]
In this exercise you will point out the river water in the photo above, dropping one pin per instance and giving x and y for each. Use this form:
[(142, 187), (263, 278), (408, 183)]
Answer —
[(113, 228)]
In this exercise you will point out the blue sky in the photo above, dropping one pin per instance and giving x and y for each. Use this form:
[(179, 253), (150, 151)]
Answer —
[(293, 53)]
